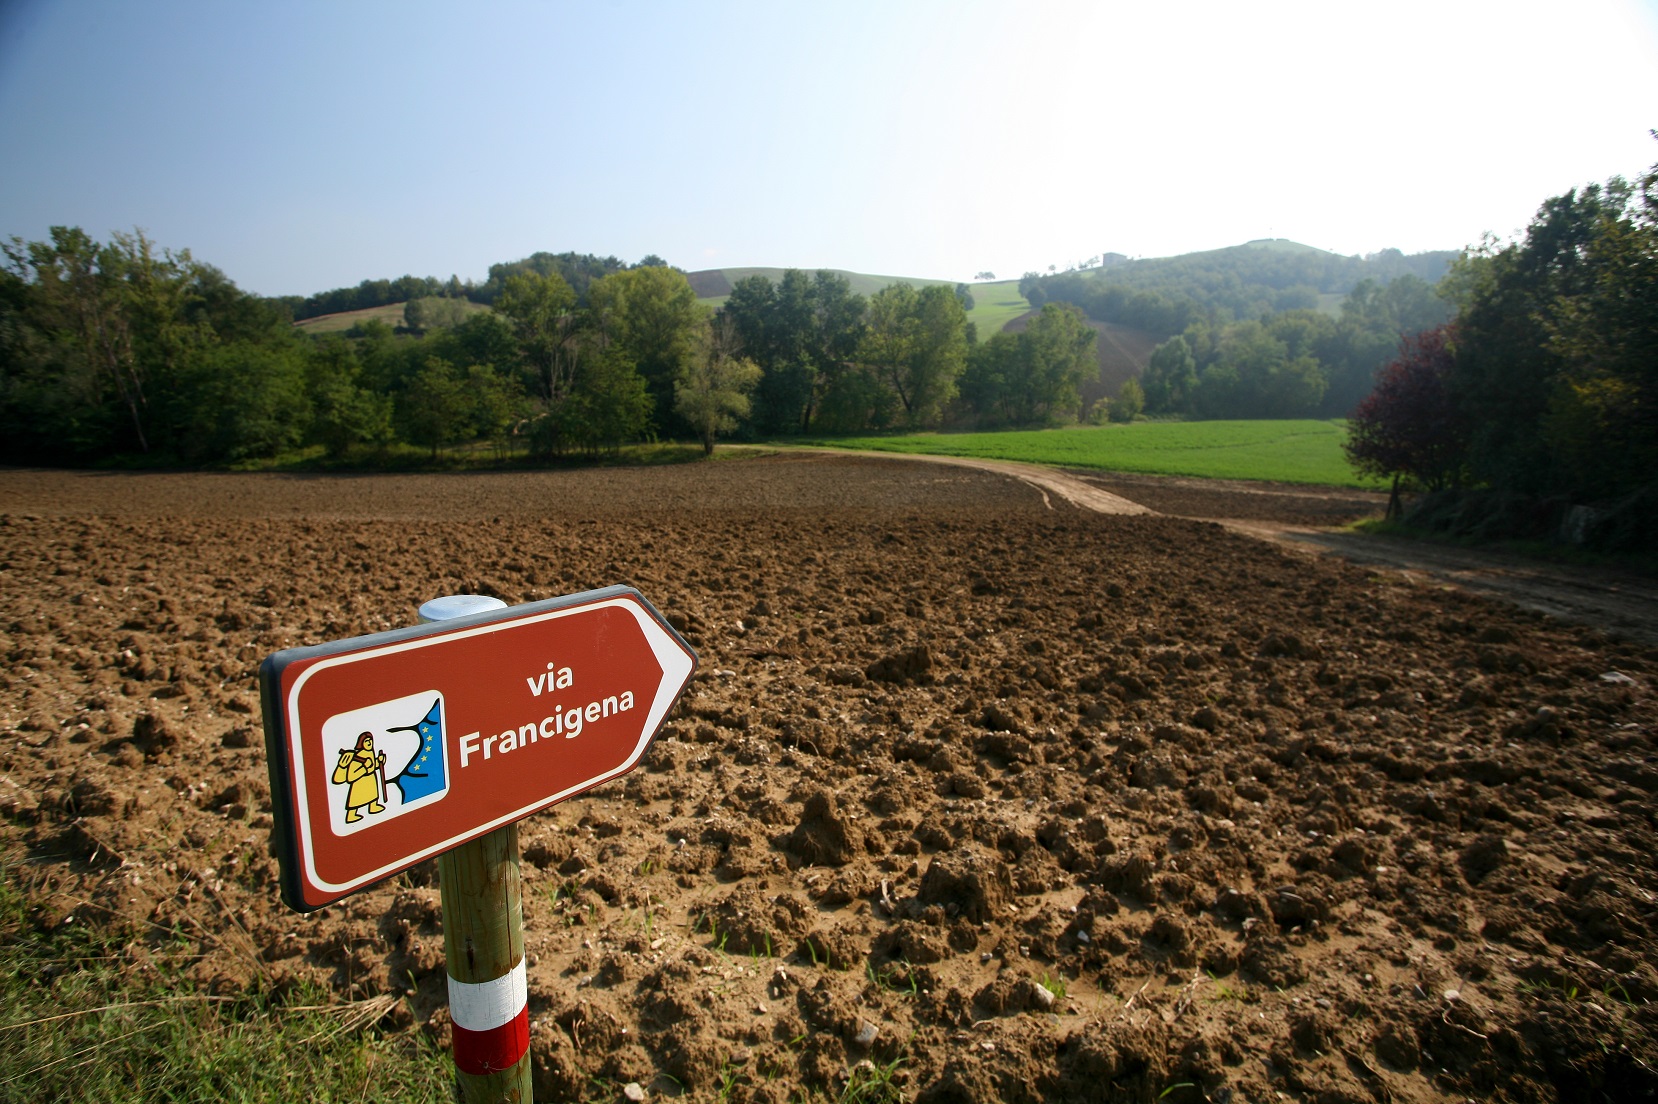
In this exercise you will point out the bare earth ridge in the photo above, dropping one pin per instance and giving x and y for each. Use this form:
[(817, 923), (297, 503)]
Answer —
[(1036, 802)]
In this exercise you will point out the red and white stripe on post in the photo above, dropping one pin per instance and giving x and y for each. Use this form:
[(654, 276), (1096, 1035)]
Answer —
[(491, 1021)]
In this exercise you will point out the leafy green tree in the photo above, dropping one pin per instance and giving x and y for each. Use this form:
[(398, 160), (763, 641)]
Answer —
[(804, 332), (577, 270), (1130, 400), (343, 413), (609, 403), (433, 408), (916, 343), (1170, 377), (541, 310), (109, 316), (1033, 377), (498, 405), (485, 337), (1605, 332), (434, 312), (344, 416), (1060, 357), (1509, 368), (1255, 376), (714, 385), (239, 401), (650, 316)]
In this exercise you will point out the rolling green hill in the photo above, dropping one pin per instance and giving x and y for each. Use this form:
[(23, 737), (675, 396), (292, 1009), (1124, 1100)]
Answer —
[(1284, 245), (995, 305), (391, 314)]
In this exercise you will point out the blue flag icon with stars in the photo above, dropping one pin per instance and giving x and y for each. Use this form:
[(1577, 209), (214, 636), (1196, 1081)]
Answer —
[(424, 776)]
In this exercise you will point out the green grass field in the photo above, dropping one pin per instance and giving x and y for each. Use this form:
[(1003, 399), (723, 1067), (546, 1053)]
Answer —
[(995, 305), (1283, 452)]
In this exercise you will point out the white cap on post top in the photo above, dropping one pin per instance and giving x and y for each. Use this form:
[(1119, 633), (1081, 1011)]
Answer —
[(458, 605)]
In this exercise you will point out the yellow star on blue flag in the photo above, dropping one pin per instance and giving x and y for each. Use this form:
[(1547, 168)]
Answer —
[(424, 775)]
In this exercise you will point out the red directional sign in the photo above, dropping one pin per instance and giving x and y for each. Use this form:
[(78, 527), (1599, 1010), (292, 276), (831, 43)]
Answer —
[(389, 749)]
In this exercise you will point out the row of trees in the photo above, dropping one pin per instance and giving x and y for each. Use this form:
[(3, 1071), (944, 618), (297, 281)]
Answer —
[(579, 270), (1546, 382), (122, 348), (119, 347), (905, 358)]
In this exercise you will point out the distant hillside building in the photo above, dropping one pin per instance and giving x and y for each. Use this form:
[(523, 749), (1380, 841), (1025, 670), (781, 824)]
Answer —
[(1109, 259)]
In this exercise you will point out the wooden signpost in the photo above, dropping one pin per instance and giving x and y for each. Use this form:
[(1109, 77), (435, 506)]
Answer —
[(435, 740)]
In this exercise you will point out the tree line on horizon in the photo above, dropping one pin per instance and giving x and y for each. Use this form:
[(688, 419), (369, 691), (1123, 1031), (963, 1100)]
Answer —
[(121, 348), (124, 349)]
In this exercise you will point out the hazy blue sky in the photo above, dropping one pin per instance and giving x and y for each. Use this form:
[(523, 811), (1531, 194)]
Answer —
[(301, 146)]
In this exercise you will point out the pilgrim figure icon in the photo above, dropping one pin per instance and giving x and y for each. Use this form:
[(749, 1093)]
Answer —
[(384, 760), (363, 773)]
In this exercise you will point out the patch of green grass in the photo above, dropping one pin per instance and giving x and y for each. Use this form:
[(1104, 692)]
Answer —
[(872, 1083), (1302, 451), (1055, 985), (899, 977), (390, 313), (103, 1015), (995, 305), (1243, 994)]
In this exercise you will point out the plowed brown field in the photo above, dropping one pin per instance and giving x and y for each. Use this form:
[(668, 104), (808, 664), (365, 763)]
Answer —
[(1015, 801)]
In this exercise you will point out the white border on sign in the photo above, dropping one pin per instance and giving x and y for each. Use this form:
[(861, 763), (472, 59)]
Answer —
[(676, 666)]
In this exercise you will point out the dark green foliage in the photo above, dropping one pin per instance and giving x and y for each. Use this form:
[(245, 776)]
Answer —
[(238, 401), (915, 344), (1032, 377), (651, 315), (578, 270), (1170, 377), (1552, 373), (804, 332), (608, 406), (1559, 338), (1130, 400), (1257, 373), (117, 348), (1291, 364), (431, 411)]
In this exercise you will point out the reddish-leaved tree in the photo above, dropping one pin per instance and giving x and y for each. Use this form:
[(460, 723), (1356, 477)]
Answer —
[(1410, 427)]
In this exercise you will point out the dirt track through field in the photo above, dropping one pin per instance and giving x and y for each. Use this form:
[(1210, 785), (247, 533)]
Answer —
[(1307, 518), (1002, 797)]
